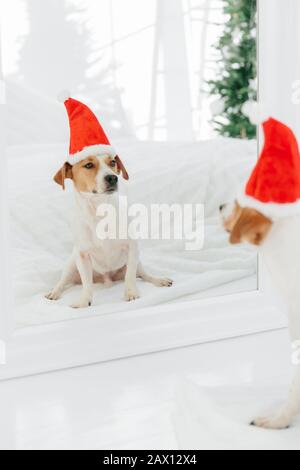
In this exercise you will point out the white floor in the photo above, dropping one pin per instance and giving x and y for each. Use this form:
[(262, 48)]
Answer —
[(133, 403)]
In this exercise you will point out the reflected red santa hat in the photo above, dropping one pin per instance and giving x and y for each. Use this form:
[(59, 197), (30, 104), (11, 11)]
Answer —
[(274, 185), (87, 137)]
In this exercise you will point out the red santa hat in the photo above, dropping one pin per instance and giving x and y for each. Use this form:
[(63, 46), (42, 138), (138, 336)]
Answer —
[(87, 137), (274, 185)]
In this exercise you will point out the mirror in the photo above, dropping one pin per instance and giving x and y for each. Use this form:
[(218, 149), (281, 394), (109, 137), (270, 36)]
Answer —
[(167, 84)]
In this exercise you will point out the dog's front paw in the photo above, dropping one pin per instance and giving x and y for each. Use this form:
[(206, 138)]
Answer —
[(278, 421), (53, 295), (163, 282), (83, 303), (131, 293)]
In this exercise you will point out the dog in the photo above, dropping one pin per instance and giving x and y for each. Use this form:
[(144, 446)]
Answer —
[(96, 181), (279, 246)]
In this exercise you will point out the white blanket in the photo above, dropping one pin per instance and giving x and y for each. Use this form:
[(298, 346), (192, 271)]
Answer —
[(204, 172)]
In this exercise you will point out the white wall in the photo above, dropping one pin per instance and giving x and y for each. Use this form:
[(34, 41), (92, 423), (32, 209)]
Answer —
[(279, 63)]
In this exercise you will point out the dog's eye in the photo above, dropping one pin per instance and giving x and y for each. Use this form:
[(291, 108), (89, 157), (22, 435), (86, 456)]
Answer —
[(113, 163), (89, 166)]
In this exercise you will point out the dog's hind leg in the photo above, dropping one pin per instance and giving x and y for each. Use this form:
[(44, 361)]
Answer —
[(67, 278), (158, 282), (285, 416)]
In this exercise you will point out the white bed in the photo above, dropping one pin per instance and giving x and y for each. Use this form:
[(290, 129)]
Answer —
[(204, 172)]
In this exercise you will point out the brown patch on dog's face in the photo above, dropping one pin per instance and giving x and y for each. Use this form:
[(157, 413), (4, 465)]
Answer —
[(247, 225), (95, 175), (85, 175), (117, 166), (112, 164)]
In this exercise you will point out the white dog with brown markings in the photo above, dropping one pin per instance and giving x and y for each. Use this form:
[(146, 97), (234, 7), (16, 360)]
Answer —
[(267, 215), (279, 243), (94, 168)]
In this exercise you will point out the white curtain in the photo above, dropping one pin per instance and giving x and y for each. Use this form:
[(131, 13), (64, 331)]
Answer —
[(143, 65), (279, 61)]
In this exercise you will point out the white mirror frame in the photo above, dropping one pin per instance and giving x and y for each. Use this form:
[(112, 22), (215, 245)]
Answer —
[(90, 340)]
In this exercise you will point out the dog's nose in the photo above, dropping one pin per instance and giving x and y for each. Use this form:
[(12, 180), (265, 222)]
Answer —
[(221, 207), (112, 180)]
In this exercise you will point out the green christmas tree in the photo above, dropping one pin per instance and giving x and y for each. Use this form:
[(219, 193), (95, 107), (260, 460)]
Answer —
[(235, 83)]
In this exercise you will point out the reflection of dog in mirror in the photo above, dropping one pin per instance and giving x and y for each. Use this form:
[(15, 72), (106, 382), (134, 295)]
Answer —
[(94, 260), (280, 250)]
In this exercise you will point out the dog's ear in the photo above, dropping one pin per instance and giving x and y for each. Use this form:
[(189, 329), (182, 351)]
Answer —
[(121, 167), (251, 227), (64, 173)]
